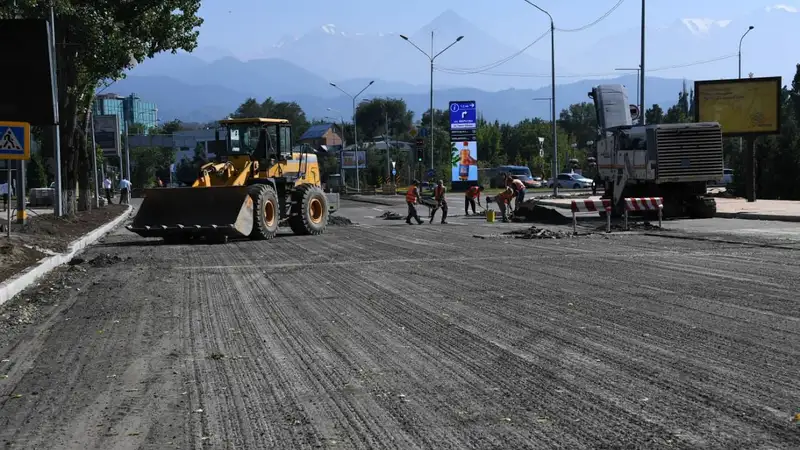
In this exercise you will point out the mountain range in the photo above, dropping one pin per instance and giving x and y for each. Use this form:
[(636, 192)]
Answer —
[(211, 83)]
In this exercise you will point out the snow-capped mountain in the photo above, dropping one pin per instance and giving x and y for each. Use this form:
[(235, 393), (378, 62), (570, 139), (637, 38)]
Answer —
[(343, 54), (671, 50)]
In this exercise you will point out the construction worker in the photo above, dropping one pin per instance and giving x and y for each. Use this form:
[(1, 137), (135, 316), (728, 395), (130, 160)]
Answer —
[(441, 202), (412, 198), (473, 194), (503, 201), (519, 191)]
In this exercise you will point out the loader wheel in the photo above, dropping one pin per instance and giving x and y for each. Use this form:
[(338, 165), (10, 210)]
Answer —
[(265, 212), (309, 210)]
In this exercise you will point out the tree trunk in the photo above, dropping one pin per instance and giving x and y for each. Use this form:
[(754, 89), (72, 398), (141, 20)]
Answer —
[(85, 193)]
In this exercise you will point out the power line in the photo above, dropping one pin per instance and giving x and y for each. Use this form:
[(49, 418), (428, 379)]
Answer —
[(498, 63), (587, 75), (595, 22)]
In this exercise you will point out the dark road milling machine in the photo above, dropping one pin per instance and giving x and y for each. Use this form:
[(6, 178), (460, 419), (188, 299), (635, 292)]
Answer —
[(256, 184), (672, 161)]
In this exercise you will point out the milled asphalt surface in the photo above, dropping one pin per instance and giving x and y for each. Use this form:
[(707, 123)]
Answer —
[(385, 335)]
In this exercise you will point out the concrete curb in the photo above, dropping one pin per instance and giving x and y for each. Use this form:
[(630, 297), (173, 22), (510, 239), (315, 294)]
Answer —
[(16, 284), (757, 216), (370, 201)]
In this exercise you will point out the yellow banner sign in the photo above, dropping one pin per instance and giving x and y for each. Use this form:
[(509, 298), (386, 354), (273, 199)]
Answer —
[(747, 106)]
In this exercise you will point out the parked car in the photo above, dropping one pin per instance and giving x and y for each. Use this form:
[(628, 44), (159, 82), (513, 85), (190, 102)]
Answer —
[(572, 181), (522, 173)]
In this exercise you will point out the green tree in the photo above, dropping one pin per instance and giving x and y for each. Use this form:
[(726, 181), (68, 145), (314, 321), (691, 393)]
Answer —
[(269, 108), (148, 162), (654, 115), (372, 117), (36, 172), (97, 41)]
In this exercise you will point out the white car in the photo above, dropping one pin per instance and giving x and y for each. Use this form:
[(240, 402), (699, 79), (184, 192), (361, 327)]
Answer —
[(572, 181)]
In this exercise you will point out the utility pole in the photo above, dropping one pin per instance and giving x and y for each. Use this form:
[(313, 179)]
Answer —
[(750, 151), (641, 73), (58, 199)]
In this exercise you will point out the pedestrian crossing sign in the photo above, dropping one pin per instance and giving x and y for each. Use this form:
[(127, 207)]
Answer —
[(15, 140)]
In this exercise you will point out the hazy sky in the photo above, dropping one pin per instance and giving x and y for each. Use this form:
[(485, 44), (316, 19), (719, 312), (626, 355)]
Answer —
[(247, 26)]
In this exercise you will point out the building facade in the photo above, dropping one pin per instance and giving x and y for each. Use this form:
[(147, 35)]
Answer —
[(130, 110)]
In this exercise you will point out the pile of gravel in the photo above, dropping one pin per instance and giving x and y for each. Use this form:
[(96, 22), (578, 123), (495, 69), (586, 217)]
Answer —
[(539, 233), (388, 215), (339, 221)]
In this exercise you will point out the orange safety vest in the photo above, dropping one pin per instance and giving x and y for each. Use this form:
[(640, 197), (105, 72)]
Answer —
[(411, 195), (438, 193), (473, 192)]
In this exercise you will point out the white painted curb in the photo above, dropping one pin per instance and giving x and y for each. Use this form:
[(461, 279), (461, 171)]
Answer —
[(16, 284)]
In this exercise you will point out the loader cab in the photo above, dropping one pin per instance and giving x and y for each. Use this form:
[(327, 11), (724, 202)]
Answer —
[(259, 138)]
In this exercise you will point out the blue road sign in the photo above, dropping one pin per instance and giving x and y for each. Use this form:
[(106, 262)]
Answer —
[(394, 172), (15, 140), (423, 132), (463, 116), (430, 173)]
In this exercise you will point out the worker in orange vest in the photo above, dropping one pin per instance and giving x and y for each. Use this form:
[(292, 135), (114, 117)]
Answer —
[(503, 200), (412, 197), (441, 202), (473, 194)]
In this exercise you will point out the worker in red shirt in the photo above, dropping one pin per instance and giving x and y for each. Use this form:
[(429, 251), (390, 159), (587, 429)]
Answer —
[(412, 198), (503, 201), (473, 194), (441, 202)]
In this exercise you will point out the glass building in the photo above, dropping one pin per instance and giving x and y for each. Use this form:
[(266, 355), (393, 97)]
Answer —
[(131, 109)]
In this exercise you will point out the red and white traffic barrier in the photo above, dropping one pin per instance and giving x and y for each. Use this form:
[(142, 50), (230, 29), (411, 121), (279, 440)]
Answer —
[(644, 204), (591, 206)]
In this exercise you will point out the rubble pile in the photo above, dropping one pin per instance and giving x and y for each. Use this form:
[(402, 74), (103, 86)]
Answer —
[(339, 221), (632, 226), (388, 215), (539, 233)]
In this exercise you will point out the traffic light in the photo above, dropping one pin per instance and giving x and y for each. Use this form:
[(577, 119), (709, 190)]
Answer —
[(420, 145)]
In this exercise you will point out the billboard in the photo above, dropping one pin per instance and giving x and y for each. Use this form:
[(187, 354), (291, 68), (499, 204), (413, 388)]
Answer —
[(743, 107), (349, 161), (463, 115), (106, 134), (465, 161)]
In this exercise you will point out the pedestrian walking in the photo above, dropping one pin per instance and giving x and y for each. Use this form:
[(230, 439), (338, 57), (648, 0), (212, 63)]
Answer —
[(124, 191), (412, 198), (441, 201), (472, 194), (107, 187)]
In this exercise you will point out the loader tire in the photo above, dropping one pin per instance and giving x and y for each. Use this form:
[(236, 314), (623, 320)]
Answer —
[(309, 213), (266, 212)]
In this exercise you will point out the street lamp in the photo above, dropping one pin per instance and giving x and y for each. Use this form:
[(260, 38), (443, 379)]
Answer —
[(740, 48), (638, 70), (355, 127), (431, 56), (553, 93), (341, 153)]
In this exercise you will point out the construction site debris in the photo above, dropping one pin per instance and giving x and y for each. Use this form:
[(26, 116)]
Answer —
[(388, 215), (104, 260), (531, 212), (632, 226), (338, 220), (539, 233)]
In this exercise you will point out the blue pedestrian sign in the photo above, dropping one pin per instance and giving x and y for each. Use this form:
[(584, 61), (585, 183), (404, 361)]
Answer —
[(463, 116), (394, 172), (430, 173), (15, 140)]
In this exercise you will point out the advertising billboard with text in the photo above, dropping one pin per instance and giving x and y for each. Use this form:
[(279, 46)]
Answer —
[(106, 134), (747, 106)]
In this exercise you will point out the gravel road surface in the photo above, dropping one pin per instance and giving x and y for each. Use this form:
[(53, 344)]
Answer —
[(384, 335)]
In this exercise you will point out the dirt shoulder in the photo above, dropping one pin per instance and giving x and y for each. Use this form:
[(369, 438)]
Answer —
[(45, 235)]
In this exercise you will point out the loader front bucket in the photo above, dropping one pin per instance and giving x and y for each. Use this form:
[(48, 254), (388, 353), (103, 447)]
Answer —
[(194, 212)]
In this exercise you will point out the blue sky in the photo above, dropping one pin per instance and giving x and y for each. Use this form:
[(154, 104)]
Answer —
[(245, 26)]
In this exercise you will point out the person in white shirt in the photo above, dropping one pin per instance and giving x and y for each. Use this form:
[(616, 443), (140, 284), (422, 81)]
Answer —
[(107, 187), (124, 191)]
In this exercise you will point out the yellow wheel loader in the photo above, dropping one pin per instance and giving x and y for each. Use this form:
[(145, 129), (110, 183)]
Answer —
[(256, 184)]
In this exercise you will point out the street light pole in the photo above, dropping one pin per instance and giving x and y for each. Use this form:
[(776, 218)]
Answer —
[(641, 68), (344, 144), (740, 48), (553, 93), (355, 126), (432, 57)]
